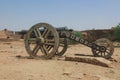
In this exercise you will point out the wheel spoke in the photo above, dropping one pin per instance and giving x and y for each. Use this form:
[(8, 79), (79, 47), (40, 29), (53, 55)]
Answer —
[(45, 49), (101, 54), (107, 52), (46, 33), (36, 49), (98, 52), (108, 49), (50, 42), (62, 45), (104, 53), (32, 41), (42, 50), (49, 48), (62, 42), (37, 32)]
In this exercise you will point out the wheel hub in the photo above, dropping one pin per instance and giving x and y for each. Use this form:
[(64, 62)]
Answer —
[(102, 49), (40, 40)]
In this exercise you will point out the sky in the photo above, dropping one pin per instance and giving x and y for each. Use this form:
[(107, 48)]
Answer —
[(19, 15)]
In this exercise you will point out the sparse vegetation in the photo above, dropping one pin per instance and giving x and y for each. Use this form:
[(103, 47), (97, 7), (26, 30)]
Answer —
[(117, 32)]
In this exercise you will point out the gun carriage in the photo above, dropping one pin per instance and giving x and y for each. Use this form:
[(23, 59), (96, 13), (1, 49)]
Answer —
[(43, 40)]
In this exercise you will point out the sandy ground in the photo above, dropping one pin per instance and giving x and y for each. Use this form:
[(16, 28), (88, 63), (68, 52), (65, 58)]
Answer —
[(15, 68)]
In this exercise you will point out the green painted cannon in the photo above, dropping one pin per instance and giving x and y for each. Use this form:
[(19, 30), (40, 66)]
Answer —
[(43, 40)]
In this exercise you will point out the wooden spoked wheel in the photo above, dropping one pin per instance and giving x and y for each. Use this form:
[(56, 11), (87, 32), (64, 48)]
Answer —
[(62, 46), (42, 40), (104, 52)]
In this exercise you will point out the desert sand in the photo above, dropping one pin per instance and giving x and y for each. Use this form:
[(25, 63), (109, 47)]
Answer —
[(15, 65)]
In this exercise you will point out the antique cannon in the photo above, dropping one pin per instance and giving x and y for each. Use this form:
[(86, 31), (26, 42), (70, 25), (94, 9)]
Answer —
[(43, 40)]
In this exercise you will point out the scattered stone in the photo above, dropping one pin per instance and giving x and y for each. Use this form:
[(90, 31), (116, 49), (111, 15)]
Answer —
[(11, 46), (84, 74), (77, 75), (113, 60), (24, 57), (67, 72), (89, 77), (19, 56)]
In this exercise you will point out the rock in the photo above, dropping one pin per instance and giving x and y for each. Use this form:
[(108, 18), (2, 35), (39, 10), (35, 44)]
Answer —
[(91, 60), (19, 56), (67, 71)]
